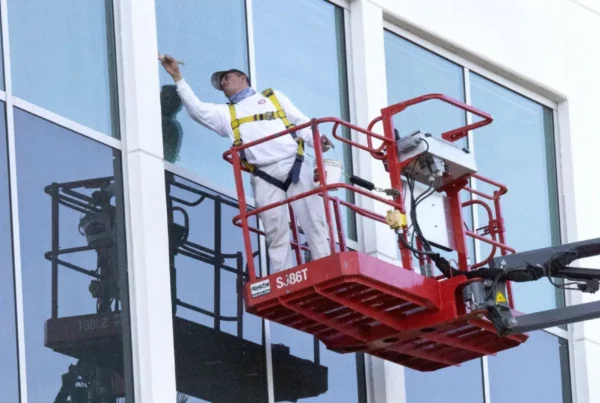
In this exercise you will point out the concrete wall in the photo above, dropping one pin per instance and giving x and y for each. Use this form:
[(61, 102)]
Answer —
[(548, 47)]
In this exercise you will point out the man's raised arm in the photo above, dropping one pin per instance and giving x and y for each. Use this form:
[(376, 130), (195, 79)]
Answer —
[(211, 116)]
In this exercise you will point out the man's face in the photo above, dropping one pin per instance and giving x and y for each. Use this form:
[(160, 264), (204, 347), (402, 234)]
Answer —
[(232, 83)]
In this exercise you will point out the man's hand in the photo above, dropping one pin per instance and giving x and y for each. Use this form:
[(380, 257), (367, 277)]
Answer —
[(171, 66), (326, 144)]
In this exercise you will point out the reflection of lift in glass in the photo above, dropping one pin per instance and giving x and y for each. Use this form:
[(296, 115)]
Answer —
[(294, 378), (205, 356), (95, 339)]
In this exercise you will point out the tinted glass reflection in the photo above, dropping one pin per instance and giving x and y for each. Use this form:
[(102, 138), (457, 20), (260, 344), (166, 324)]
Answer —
[(449, 384), (9, 378), (1, 65), (522, 133), (537, 371), (73, 265), (219, 348), (63, 59), (208, 36), (411, 72), (313, 76)]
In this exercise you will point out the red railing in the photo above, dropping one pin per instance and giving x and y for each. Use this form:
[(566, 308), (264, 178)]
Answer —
[(451, 135), (494, 227), (322, 189), (387, 153)]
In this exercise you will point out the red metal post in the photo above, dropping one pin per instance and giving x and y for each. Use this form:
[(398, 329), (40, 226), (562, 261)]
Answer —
[(396, 182), (500, 221), (239, 184), (296, 240), (338, 222), (492, 234), (322, 188), (457, 224)]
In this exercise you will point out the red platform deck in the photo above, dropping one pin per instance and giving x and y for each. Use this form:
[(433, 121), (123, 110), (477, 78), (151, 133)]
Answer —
[(354, 302)]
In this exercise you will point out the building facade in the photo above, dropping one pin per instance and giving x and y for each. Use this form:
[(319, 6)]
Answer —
[(122, 272)]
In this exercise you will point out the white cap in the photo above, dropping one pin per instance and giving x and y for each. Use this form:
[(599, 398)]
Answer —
[(215, 79)]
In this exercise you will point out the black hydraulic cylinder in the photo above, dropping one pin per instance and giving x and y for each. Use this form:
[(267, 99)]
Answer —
[(357, 180)]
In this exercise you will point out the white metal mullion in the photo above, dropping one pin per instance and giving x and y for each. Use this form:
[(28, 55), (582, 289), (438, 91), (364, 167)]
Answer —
[(150, 304), (345, 4), (566, 229), (67, 123), (471, 145), (261, 239), (264, 256), (250, 41), (477, 245), (14, 204), (2, 96), (486, 379)]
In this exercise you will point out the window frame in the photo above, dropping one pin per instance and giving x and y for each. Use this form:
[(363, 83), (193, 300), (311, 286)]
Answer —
[(468, 67), (465, 63), (205, 181), (12, 102), (562, 164), (350, 243)]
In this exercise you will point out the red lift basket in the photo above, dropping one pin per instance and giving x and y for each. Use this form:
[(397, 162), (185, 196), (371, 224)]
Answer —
[(354, 302)]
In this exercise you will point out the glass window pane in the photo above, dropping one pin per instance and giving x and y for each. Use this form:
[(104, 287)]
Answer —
[(517, 150), (63, 59), (73, 264), (1, 63), (413, 71), (219, 348), (314, 75), (208, 36), (9, 377), (449, 384), (537, 371)]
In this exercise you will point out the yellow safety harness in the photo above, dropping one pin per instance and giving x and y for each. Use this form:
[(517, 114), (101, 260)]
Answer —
[(294, 174)]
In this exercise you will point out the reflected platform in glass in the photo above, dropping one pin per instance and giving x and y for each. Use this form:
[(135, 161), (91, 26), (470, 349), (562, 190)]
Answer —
[(73, 265), (219, 348), (94, 339)]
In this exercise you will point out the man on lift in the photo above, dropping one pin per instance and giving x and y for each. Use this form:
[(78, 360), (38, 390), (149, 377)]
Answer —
[(278, 167)]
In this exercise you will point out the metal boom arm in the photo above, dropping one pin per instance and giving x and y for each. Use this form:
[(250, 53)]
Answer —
[(531, 266)]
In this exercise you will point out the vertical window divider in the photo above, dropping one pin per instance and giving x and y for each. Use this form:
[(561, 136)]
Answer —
[(14, 205), (266, 324), (477, 243), (250, 39), (146, 223)]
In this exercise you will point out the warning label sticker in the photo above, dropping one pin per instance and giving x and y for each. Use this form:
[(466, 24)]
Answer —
[(260, 288), (500, 297)]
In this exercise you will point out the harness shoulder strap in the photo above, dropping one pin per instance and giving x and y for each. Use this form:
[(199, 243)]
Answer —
[(237, 139), (269, 93), (235, 125)]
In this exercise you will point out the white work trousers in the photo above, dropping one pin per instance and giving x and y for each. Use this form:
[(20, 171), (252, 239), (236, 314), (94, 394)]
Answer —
[(308, 211)]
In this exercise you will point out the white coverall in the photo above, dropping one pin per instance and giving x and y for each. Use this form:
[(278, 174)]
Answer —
[(275, 158)]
